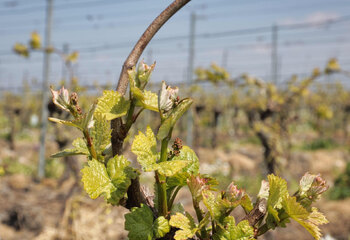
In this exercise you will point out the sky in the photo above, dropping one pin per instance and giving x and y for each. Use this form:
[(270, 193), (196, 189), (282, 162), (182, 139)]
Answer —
[(234, 34)]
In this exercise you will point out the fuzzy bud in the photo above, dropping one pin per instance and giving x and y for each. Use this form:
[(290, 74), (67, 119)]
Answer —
[(310, 189), (167, 97), (61, 98), (234, 193)]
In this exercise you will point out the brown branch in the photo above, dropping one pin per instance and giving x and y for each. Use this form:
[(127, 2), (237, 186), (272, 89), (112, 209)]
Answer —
[(257, 213), (119, 130), (144, 40)]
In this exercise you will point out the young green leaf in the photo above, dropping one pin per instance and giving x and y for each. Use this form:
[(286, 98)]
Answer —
[(218, 207), (309, 221), (120, 174), (160, 227), (187, 154), (96, 180), (278, 191), (147, 100), (144, 98), (74, 123), (180, 178), (175, 115), (145, 148), (111, 182), (204, 222), (87, 120), (139, 223), (80, 148), (112, 105), (169, 168), (101, 134), (187, 228), (243, 231)]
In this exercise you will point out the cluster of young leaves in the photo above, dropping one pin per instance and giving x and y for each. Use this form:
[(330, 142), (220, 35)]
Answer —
[(111, 176), (215, 221), (104, 174), (281, 207)]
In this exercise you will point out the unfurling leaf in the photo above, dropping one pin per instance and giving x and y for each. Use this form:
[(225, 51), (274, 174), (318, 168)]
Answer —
[(75, 123), (80, 148), (143, 74), (112, 105), (197, 184), (140, 77), (61, 98), (167, 97), (238, 197), (175, 115), (87, 120), (277, 192), (310, 189), (145, 99), (264, 190)]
